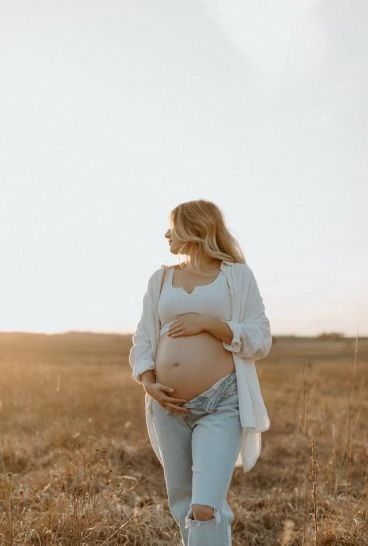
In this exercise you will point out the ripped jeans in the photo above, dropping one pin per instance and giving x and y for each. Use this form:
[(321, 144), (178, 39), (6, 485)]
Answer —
[(199, 450)]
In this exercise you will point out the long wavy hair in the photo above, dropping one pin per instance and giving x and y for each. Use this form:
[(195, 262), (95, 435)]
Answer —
[(200, 227)]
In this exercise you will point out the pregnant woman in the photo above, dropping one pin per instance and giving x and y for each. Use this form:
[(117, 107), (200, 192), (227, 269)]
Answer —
[(202, 326)]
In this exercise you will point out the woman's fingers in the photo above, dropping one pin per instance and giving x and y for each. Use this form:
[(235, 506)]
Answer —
[(168, 405), (171, 402), (166, 388), (173, 399), (169, 397)]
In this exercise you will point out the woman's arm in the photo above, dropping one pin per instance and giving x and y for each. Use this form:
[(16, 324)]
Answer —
[(252, 338), (141, 358), (147, 377), (217, 328)]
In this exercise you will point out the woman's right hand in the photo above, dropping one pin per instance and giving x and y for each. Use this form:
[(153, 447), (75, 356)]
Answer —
[(158, 392)]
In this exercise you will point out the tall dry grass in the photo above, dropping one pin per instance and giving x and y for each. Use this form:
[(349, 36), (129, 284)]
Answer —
[(76, 466)]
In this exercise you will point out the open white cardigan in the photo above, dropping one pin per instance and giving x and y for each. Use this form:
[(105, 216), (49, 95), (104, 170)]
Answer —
[(251, 341)]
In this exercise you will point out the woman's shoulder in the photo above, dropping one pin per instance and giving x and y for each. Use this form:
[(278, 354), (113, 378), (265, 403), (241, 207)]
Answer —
[(243, 273), (157, 273), (241, 267)]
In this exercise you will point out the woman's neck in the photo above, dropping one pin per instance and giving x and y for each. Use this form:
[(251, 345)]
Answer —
[(204, 264)]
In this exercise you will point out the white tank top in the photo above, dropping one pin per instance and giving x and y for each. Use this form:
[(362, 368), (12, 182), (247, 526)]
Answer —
[(210, 299)]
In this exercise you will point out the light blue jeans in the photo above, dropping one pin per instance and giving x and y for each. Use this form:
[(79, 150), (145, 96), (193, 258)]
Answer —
[(199, 450)]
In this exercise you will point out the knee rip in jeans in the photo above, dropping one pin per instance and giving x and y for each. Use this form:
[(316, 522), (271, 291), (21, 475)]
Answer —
[(216, 516)]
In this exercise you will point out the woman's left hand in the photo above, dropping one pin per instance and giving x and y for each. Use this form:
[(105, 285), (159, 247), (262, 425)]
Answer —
[(187, 324)]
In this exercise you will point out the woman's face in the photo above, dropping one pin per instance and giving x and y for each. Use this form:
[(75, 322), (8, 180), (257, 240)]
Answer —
[(172, 241)]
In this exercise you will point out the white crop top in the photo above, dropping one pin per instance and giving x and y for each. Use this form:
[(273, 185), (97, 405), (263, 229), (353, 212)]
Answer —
[(210, 299)]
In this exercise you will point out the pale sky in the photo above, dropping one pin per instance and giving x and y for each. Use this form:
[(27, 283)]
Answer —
[(114, 112)]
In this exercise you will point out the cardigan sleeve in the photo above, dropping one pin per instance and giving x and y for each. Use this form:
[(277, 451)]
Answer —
[(141, 357), (252, 337)]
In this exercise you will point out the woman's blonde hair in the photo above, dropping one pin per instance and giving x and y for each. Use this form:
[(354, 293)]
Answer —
[(200, 227)]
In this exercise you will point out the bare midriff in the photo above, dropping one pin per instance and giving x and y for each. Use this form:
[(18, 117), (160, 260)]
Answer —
[(191, 364)]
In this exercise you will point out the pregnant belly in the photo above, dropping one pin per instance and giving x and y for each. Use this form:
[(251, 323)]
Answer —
[(191, 364)]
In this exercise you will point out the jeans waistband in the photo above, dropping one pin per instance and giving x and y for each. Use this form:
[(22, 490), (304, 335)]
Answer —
[(218, 387)]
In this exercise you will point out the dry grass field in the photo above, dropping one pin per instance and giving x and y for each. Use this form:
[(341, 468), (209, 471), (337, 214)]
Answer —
[(77, 468)]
